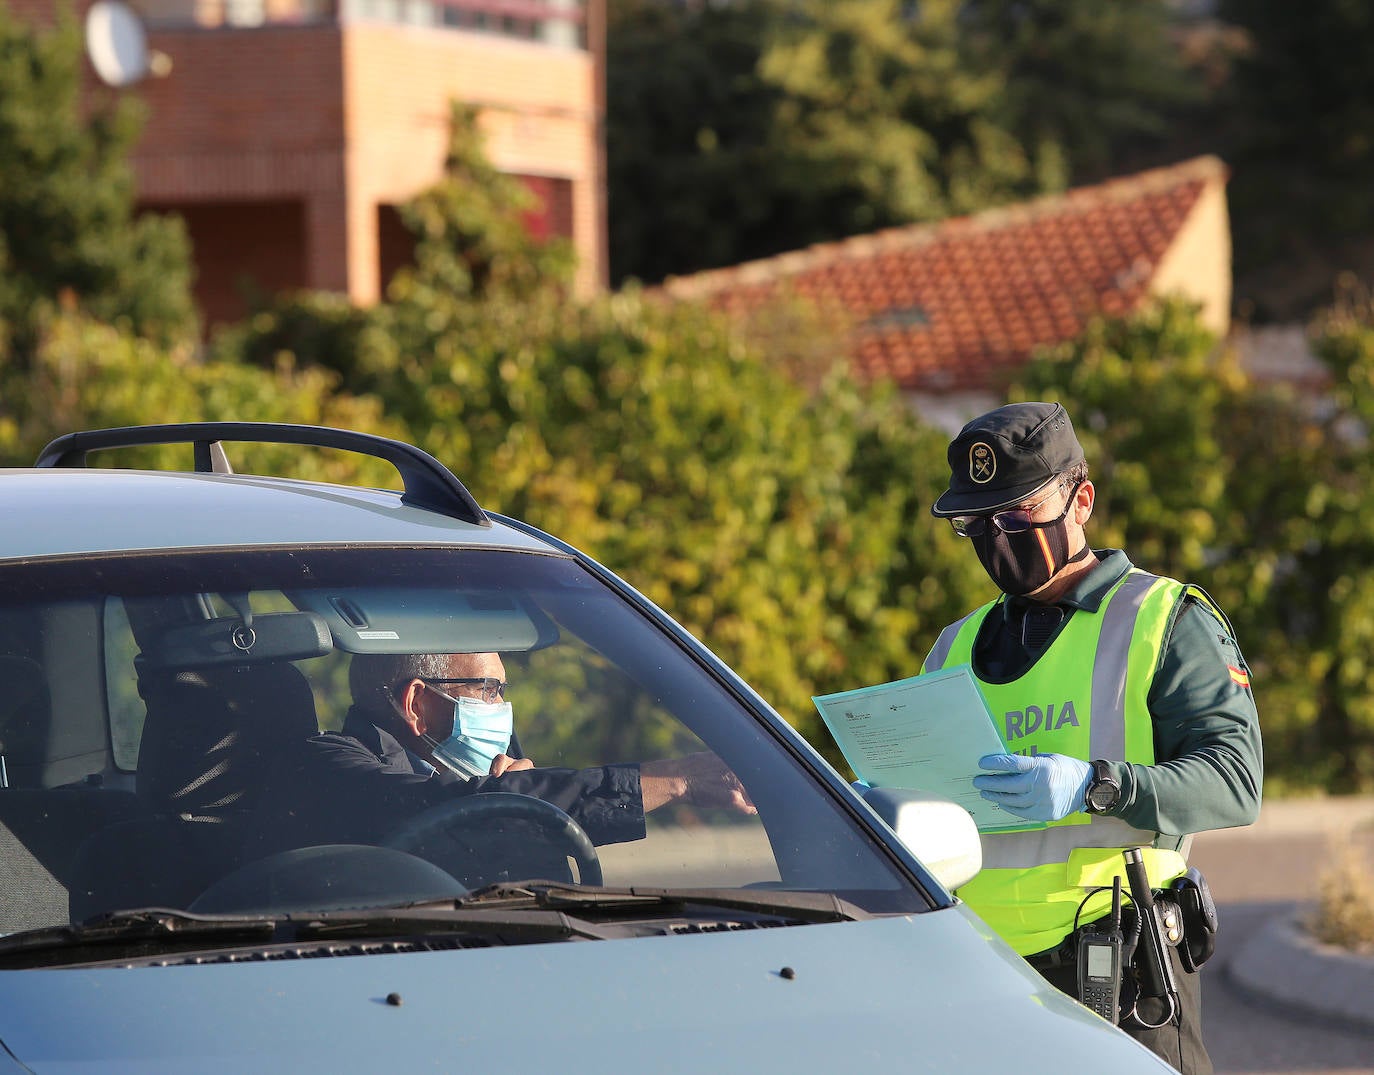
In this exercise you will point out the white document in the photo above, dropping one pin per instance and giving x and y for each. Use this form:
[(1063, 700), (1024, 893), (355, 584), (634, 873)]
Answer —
[(925, 733)]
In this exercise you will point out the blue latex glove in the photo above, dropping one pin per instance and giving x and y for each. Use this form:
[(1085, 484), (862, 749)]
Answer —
[(1037, 787)]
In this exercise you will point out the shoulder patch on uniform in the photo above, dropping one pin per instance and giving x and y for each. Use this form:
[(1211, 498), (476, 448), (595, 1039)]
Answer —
[(1239, 676)]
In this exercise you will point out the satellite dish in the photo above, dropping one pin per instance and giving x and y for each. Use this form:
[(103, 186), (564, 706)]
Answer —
[(116, 43)]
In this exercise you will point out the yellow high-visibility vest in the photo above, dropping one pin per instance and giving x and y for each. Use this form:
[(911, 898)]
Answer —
[(1086, 696)]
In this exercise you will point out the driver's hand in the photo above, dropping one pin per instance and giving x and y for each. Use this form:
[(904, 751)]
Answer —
[(701, 779), (504, 763)]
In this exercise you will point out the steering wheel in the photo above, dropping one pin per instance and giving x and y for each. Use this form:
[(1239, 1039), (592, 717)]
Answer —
[(327, 877), (483, 838)]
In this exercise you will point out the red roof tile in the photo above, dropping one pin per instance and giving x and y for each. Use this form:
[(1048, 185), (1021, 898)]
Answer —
[(960, 304)]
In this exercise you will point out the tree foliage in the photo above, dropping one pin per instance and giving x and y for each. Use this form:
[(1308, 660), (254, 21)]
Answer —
[(1087, 85), (1307, 80), (470, 239), (883, 119), (1294, 118), (87, 375), (69, 236), (1257, 494), (741, 130), (1331, 587), (689, 169)]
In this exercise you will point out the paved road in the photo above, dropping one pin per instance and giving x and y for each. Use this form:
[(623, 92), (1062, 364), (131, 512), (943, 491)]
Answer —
[(1258, 874)]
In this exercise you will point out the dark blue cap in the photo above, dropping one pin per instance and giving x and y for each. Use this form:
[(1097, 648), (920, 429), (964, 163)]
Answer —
[(1005, 456)]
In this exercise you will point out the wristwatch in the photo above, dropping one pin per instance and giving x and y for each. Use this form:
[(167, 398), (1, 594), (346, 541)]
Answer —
[(1103, 792)]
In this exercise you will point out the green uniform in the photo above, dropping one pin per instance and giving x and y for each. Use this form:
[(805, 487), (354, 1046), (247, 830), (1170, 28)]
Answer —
[(1187, 750)]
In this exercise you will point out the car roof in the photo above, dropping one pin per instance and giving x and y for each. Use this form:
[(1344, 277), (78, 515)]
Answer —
[(60, 507), (65, 512)]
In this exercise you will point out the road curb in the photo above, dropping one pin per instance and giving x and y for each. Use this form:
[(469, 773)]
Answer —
[(1283, 964)]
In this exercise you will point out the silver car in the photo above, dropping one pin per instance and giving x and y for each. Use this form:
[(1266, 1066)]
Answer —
[(243, 829)]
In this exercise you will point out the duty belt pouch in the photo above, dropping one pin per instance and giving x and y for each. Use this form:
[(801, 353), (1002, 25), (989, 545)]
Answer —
[(1199, 914)]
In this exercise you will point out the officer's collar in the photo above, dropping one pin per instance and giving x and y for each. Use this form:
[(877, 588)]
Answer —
[(1087, 594)]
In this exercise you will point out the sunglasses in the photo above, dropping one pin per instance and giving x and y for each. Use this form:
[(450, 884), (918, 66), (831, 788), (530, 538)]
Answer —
[(1012, 520)]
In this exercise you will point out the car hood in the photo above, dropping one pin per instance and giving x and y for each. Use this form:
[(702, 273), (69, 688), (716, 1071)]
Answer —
[(926, 992)]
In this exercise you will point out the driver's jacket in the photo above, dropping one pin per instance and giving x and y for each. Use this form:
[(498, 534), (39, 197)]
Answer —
[(358, 783)]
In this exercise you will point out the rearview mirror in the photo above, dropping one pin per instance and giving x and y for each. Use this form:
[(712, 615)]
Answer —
[(276, 636)]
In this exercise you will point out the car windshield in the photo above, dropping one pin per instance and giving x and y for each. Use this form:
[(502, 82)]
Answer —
[(253, 731)]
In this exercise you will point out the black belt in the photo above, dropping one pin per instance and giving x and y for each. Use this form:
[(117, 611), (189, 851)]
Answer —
[(1064, 954)]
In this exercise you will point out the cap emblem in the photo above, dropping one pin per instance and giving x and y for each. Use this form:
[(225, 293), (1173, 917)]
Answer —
[(982, 464)]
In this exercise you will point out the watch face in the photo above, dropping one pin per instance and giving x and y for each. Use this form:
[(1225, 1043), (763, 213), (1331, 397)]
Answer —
[(1102, 795)]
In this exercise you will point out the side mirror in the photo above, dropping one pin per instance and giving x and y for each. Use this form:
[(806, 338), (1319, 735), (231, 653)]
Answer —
[(938, 832)]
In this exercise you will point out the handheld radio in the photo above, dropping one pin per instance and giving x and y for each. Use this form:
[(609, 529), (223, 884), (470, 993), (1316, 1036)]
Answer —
[(1099, 964)]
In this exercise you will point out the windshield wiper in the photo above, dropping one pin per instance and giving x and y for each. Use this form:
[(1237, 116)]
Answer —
[(455, 917), (510, 913), (150, 931), (144, 929), (800, 906)]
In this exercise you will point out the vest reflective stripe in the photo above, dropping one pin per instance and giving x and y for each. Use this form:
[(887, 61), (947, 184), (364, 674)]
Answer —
[(1026, 850), (1033, 882), (939, 652), (1111, 661)]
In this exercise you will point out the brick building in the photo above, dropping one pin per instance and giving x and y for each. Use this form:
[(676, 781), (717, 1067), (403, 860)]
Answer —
[(287, 131)]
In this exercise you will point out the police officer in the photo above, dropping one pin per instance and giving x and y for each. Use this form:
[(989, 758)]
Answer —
[(1122, 697)]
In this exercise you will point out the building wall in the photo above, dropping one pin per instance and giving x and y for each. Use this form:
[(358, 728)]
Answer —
[(245, 252), (347, 119), (36, 12), (243, 106), (333, 122), (1198, 263), (537, 110), (250, 120)]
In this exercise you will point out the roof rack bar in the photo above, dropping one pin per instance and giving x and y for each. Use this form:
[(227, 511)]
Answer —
[(428, 483)]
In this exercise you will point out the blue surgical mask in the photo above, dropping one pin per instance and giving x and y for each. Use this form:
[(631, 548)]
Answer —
[(481, 731)]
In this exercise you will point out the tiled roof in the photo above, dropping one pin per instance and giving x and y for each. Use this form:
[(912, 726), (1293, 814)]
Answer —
[(959, 304)]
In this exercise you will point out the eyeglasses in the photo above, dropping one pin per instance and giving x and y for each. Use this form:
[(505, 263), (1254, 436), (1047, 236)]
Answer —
[(489, 689), (1012, 520)]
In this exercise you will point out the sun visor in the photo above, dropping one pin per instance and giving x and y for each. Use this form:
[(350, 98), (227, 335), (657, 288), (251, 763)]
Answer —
[(428, 621)]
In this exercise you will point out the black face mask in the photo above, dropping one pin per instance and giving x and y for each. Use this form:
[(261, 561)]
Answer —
[(1022, 562)]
